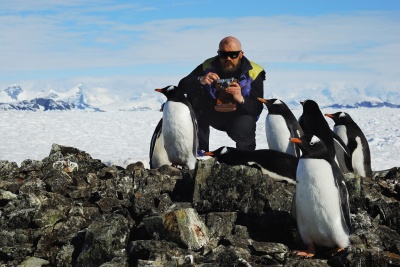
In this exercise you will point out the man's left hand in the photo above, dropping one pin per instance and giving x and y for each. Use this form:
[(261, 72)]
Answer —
[(235, 90)]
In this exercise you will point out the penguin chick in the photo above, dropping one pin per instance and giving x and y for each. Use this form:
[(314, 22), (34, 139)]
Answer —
[(353, 137), (321, 205), (179, 128), (278, 165), (280, 125)]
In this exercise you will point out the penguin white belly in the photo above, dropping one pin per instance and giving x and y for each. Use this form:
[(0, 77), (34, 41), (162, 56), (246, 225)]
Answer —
[(318, 209), (278, 134), (341, 131), (357, 159), (178, 134)]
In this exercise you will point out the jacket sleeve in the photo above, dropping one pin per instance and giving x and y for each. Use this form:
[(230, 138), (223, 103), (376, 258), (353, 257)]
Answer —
[(190, 83), (251, 105)]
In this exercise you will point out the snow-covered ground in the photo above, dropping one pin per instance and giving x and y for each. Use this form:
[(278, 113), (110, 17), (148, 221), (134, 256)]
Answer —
[(122, 138)]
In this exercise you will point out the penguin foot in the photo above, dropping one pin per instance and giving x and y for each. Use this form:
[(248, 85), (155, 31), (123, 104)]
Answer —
[(336, 251), (309, 253)]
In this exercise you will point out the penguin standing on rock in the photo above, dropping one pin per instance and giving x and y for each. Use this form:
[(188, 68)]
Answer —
[(280, 125), (278, 165), (356, 142), (312, 121), (320, 205), (179, 128)]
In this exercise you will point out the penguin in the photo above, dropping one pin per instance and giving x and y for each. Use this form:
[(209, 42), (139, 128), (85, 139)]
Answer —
[(353, 137), (312, 121), (158, 154), (321, 201), (179, 128), (278, 165), (280, 125)]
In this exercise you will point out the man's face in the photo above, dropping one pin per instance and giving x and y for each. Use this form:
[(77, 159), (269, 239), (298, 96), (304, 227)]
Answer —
[(230, 61)]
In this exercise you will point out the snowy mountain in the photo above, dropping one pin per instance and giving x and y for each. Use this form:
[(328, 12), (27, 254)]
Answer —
[(103, 99), (340, 97), (46, 100), (13, 91)]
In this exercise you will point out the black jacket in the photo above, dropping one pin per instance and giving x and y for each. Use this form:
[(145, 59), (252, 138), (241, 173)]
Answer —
[(250, 77)]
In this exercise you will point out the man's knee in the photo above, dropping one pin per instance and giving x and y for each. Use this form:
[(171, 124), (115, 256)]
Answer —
[(243, 132)]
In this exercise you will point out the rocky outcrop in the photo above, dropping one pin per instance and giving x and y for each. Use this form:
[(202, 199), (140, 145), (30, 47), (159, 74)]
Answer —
[(72, 210)]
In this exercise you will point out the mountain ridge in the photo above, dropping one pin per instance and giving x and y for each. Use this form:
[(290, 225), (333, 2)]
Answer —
[(15, 98)]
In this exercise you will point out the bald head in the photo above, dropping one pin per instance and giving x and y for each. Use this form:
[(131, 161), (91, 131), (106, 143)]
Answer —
[(230, 43)]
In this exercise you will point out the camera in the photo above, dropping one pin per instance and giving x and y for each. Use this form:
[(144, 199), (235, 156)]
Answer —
[(225, 102), (222, 84)]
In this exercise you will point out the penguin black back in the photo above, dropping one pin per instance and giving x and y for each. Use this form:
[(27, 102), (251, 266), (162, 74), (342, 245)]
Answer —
[(278, 165), (312, 121)]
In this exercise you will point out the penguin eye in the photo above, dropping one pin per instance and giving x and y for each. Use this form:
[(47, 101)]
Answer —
[(312, 143)]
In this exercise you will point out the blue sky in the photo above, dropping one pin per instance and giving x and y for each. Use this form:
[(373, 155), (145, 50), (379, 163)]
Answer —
[(127, 47)]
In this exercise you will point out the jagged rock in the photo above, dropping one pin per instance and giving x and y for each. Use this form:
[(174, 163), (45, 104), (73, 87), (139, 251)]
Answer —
[(33, 261), (105, 239), (72, 210), (219, 187), (182, 226)]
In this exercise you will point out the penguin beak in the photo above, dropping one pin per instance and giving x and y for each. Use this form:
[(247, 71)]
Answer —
[(158, 90), (209, 153), (262, 100), (302, 103), (329, 116), (295, 140)]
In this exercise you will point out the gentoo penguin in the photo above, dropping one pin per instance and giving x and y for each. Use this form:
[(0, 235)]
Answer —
[(312, 121), (321, 205), (280, 125), (278, 165), (355, 140), (179, 128), (158, 154)]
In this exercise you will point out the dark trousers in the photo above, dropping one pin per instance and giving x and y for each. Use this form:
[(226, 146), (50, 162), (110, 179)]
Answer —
[(241, 128)]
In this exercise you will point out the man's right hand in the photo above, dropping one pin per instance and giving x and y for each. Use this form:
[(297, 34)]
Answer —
[(209, 78)]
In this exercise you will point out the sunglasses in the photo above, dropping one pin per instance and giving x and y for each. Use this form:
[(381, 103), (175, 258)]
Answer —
[(231, 54)]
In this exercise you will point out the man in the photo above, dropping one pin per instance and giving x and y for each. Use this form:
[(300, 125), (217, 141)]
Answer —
[(202, 91)]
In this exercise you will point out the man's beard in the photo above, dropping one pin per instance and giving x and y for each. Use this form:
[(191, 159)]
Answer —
[(231, 68)]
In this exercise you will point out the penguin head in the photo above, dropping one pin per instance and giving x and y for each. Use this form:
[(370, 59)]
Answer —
[(309, 105), (224, 154), (170, 91), (311, 146), (340, 117), (218, 152), (273, 105)]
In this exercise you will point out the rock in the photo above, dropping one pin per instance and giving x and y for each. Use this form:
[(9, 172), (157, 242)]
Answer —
[(182, 226), (72, 210)]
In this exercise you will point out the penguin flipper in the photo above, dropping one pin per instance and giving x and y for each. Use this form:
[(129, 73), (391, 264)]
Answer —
[(195, 129), (154, 137), (343, 198), (343, 155)]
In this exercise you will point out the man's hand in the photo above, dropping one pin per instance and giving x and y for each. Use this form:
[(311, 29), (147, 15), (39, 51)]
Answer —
[(209, 78), (235, 90)]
